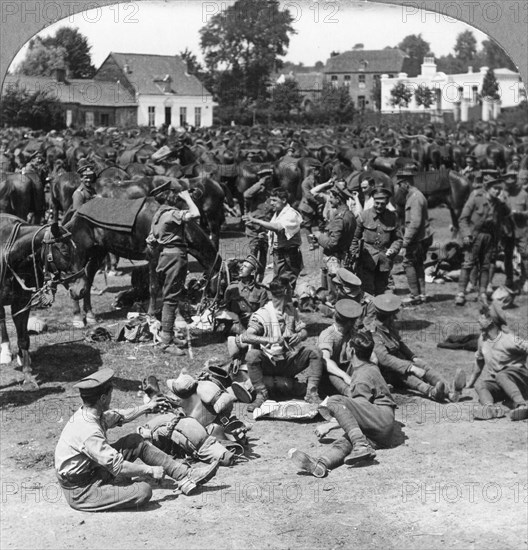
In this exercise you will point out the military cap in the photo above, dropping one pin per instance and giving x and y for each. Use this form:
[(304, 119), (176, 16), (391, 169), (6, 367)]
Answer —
[(86, 169), (510, 177), (348, 309), (387, 303), (490, 178), (252, 260), (95, 381), (381, 190), (340, 190), (265, 172), (345, 277), (516, 157)]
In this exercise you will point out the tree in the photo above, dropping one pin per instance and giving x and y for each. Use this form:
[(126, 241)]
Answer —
[(335, 106), (400, 96), (424, 96), (41, 60), (465, 47), (66, 49), (495, 57), (490, 86), (38, 110), (416, 48), (248, 38), (286, 97)]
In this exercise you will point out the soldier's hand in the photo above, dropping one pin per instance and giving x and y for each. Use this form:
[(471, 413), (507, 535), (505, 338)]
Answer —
[(157, 472), (419, 362), (417, 371), (158, 403), (294, 339), (467, 241)]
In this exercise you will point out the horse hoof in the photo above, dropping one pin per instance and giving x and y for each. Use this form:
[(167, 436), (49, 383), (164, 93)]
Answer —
[(5, 355), (30, 383), (78, 322), (90, 319)]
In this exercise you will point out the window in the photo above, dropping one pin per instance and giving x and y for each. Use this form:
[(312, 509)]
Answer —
[(361, 101), (363, 65), (347, 80), (474, 94), (183, 116), (197, 116), (105, 119), (361, 79), (334, 80), (168, 116), (152, 116)]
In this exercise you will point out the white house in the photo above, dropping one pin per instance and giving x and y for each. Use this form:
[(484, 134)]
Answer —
[(165, 93), (453, 92)]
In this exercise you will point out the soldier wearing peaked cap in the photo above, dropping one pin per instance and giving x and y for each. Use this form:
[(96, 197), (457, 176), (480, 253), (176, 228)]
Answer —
[(417, 236), (337, 236), (398, 364), (377, 240), (470, 171), (86, 190), (349, 287), (334, 346), (480, 227), (86, 464), (245, 296)]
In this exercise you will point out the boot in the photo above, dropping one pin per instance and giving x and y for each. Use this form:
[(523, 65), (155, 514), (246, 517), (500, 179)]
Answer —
[(489, 412), (519, 413), (360, 452), (438, 392), (260, 398), (306, 463), (312, 396), (460, 299), (458, 385), (196, 476)]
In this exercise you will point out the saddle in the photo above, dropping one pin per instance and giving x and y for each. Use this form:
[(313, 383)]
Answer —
[(113, 214)]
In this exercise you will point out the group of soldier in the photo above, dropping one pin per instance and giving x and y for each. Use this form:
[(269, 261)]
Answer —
[(357, 360)]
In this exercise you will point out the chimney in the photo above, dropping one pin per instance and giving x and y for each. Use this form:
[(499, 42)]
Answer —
[(167, 81), (428, 66), (59, 74), (470, 69)]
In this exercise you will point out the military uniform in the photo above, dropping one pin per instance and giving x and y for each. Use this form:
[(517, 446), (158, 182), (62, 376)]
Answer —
[(244, 298), (85, 191), (417, 239), (167, 231), (349, 287), (86, 464), (309, 206), (479, 227), (378, 233), (395, 359)]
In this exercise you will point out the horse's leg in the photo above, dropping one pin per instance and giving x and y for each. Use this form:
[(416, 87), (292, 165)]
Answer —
[(5, 351), (92, 267), (21, 321)]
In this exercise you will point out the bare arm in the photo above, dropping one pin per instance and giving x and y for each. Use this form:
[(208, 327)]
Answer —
[(193, 211), (333, 368), (477, 370)]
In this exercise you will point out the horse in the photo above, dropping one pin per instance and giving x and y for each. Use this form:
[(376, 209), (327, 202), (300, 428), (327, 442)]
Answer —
[(33, 260), (94, 242), (23, 196)]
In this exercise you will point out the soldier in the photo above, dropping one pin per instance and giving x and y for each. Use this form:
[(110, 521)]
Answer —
[(471, 170), (515, 229), (86, 464), (86, 190), (376, 243), (334, 344), (245, 296), (256, 205), (366, 416), (337, 237), (479, 227), (276, 337), (515, 164), (349, 287), (285, 235), (417, 237), (398, 364), (167, 232)]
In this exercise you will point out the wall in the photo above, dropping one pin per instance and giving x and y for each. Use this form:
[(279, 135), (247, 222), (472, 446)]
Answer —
[(175, 102)]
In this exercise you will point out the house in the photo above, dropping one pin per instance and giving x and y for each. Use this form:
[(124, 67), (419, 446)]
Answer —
[(127, 90), (164, 92), (310, 86), (358, 69), (86, 102), (454, 91)]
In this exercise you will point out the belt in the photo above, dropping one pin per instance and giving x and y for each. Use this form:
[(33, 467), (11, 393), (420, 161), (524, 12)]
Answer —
[(285, 249)]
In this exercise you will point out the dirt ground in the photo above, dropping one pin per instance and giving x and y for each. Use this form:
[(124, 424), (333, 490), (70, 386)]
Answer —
[(448, 482)]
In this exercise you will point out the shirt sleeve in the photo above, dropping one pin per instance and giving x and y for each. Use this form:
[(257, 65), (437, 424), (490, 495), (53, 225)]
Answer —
[(177, 216), (290, 222), (112, 419), (415, 215), (100, 451), (479, 356), (385, 359)]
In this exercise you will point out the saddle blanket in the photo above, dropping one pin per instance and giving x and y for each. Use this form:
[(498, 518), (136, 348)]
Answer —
[(114, 214)]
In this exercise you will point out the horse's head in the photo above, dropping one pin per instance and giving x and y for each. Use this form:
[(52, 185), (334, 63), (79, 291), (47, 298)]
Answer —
[(62, 258)]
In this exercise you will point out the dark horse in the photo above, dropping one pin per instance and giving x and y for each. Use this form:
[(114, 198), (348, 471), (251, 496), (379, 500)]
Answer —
[(30, 255), (23, 196), (94, 242)]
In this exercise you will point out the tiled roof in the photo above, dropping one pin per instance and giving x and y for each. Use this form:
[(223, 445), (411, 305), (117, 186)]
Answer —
[(144, 69), (309, 81), (80, 91), (378, 61)]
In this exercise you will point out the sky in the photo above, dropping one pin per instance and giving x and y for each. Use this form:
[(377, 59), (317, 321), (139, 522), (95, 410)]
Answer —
[(168, 27)]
